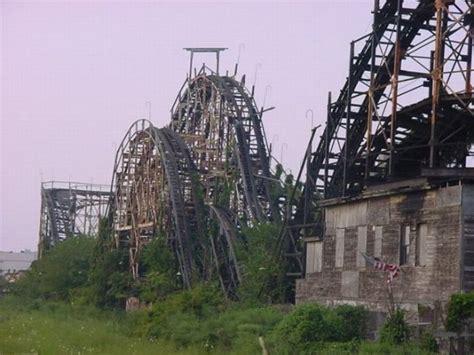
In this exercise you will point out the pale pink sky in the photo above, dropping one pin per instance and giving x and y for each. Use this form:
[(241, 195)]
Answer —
[(75, 75)]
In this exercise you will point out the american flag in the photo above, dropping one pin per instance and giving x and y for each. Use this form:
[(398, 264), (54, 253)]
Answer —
[(392, 269)]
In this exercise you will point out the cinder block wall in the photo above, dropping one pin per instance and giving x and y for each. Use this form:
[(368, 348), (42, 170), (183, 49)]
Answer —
[(433, 270)]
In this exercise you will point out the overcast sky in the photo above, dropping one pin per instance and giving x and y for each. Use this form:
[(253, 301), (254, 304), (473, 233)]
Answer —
[(75, 75)]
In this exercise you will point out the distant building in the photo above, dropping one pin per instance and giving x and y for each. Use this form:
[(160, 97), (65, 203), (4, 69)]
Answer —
[(425, 226), (13, 264)]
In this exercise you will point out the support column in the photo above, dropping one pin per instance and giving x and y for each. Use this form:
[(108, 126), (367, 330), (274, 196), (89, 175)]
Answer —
[(436, 75), (394, 82)]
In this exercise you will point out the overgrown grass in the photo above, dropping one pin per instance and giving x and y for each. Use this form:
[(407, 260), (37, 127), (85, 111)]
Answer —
[(47, 327), (56, 328), (72, 302), (198, 318)]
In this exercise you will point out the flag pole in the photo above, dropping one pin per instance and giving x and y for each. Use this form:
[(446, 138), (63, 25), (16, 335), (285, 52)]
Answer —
[(391, 302)]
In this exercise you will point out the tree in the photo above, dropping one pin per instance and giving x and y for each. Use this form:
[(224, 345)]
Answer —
[(61, 270)]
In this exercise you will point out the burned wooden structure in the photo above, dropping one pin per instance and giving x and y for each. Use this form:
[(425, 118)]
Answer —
[(154, 193), (390, 176), (407, 104), (405, 111), (196, 182)]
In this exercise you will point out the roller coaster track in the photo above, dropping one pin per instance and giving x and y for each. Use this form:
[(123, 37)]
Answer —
[(195, 182), (155, 196), (407, 103), (219, 121), (69, 209), (223, 243)]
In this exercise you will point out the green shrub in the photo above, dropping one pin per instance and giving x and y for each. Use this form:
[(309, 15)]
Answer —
[(460, 308), (262, 272), (428, 343), (81, 296), (197, 303), (110, 279), (355, 319), (239, 328), (202, 301), (184, 329), (378, 348), (395, 330), (310, 325), (60, 271), (81, 270), (201, 318), (158, 271), (340, 348)]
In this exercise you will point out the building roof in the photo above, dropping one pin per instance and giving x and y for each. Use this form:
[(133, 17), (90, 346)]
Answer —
[(16, 261)]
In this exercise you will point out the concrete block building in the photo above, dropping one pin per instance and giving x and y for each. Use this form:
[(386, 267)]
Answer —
[(427, 227)]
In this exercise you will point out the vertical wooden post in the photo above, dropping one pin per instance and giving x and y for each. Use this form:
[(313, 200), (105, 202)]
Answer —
[(348, 120), (326, 145), (370, 108), (436, 80), (394, 82)]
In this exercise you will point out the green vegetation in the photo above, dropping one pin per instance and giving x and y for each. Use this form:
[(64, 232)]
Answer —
[(395, 330), (460, 308), (72, 301), (61, 272), (263, 274), (310, 327), (28, 326), (199, 319), (48, 327), (159, 278)]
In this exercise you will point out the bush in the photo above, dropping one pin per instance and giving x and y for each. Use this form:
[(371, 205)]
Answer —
[(201, 301), (355, 319), (81, 270), (60, 271), (239, 328), (201, 318), (194, 305), (262, 272), (159, 278), (428, 343), (308, 326), (395, 330), (460, 308), (5, 286), (110, 279)]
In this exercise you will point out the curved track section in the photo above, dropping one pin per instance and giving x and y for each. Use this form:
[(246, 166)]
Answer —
[(219, 121), (155, 196), (223, 244), (195, 181)]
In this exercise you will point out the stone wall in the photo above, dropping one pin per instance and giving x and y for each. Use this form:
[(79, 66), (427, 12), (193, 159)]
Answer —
[(432, 271), (468, 240)]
